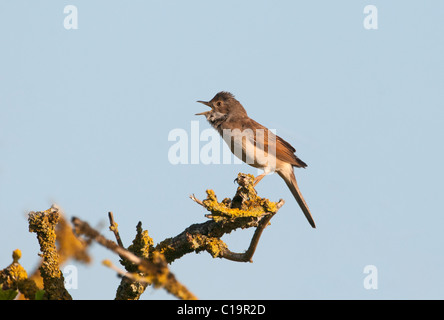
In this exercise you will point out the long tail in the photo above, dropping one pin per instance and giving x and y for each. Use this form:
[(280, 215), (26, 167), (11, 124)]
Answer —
[(290, 180)]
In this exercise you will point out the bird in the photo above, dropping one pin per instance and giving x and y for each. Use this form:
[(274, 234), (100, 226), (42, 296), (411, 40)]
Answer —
[(255, 144)]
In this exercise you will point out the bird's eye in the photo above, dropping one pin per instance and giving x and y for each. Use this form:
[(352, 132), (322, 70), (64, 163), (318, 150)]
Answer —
[(218, 103)]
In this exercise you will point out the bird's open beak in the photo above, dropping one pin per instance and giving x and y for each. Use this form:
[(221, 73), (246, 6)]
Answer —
[(206, 112)]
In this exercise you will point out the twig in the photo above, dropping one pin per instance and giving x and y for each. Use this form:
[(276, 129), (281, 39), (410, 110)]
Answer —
[(132, 276), (248, 255), (123, 273), (193, 197), (113, 227), (280, 203)]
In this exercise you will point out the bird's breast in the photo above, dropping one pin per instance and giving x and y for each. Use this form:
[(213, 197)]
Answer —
[(243, 144)]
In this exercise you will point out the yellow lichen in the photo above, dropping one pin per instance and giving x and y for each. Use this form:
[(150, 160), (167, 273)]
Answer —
[(28, 288), (244, 210), (215, 247), (16, 255), (43, 223), (14, 277), (14, 273), (246, 202), (142, 246)]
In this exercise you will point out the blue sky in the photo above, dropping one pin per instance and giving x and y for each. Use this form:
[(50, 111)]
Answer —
[(85, 116)]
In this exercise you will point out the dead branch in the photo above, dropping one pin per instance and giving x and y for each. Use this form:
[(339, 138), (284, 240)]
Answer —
[(14, 277), (145, 263), (142, 246), (43, 223), (156, 271), (113, 227), (245, 210)]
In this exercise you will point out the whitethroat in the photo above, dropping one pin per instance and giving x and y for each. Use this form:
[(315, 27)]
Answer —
[(255, 144)]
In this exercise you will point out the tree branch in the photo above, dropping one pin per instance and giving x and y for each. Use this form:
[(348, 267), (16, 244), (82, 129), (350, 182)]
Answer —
[(248, 255), (245, 210), (157, 272), (113, 227), (43, 223), (142, 246)]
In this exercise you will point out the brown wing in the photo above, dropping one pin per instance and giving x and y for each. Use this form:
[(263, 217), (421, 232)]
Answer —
[(287, 153), (284, 150)]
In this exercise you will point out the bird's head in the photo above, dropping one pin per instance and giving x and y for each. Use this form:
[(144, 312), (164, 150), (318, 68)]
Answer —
[(223, 105)]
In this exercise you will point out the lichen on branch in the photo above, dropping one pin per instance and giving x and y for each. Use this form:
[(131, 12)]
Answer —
[(156, 269), (14, 279), (245, 210), (43, 223), (142, 246), (145, 264), (245, 204)]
